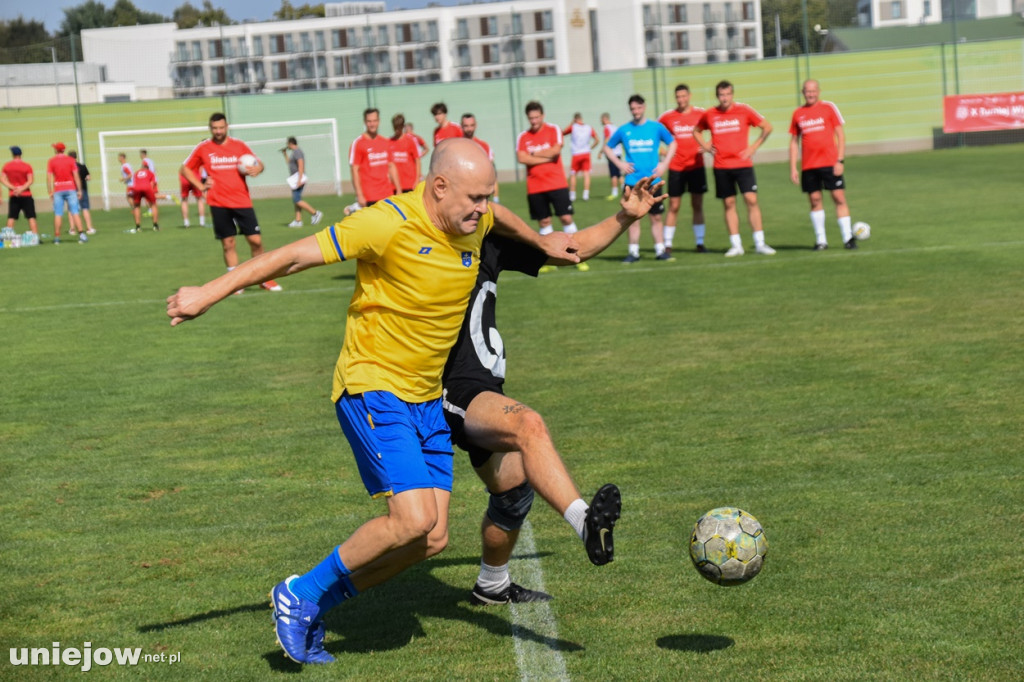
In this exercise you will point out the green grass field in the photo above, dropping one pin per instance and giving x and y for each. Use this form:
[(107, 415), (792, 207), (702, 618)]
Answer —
[(865, 406)]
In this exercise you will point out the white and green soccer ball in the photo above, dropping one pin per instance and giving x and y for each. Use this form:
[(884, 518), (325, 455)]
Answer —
[(861, 231), (728, 546)]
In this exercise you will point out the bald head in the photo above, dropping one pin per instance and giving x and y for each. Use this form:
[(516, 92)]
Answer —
[(459, 184)]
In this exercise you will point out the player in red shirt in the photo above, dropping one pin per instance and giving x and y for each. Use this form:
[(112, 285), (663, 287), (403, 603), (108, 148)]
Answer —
[(17, 176), (817, 131), (445, 128), (64, 185), (686, 170), (144, 186), (226, 191), (374, 174), (469, 130), (539, 148), (582, 139), (421, 144), (730, 124), (405, 154), (188, 190)]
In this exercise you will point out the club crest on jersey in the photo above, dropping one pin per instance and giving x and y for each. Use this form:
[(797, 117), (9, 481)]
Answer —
[(467, 258), (424, 250)]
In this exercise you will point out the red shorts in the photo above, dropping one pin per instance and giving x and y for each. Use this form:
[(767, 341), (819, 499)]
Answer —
[(580, 162), (148, 194), (187, 190)]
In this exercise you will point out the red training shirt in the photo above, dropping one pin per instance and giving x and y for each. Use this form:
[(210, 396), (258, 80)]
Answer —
[(449, 129), (816, 127), (17, 172), (371, 157), (688, 153), (730, 133), (63, 168), (229, 189), (543, 177), (404, 152)]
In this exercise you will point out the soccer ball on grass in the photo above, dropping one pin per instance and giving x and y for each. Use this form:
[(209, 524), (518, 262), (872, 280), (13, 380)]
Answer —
[(861, 231), (246, 161), (728, 546)]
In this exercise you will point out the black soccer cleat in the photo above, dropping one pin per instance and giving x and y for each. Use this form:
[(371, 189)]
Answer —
[(513, 594), (820, 246), (604, 511), (852, 244), (701, 248)]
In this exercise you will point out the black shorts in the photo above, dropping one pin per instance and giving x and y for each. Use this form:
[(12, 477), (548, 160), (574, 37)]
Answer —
[(659, 207), (19, 205), (727, 179), (541, 203), (815, 179), (613, 170), (227, 222), (694, 181), (455, 400)]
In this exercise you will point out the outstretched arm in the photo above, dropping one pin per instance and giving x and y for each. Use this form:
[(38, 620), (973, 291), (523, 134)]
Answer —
[(556, 245), (188, 303), (635, 203)]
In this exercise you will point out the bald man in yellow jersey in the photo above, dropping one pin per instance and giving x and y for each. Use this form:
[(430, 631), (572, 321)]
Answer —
[(417, 257)]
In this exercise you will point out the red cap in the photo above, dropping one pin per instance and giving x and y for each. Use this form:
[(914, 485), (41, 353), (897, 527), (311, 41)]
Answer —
[(59, 146)]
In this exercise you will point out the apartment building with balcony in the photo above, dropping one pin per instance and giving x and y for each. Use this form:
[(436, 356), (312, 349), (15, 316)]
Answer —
[(435, 44)]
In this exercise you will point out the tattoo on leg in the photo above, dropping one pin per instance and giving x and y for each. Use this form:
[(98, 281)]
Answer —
[(514, 408)]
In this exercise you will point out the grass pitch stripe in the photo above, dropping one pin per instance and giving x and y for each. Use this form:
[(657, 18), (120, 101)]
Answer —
[(537, 655)]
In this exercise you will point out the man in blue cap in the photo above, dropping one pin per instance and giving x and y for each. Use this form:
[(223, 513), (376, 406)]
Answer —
[(17, 176)]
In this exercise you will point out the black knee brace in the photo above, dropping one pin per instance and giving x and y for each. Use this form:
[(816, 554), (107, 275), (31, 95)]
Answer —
[(509, 509)]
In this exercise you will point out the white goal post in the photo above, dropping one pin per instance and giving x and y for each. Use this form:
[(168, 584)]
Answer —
[(169, 147)]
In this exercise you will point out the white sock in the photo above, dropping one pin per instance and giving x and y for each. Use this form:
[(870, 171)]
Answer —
[(572, 196), (202, 222), (735, 240), (231, 268), (698, 233), (186, 222), (586, 194), (818, 223), (493, 578), (845, 229), (576, 515), (615, 191), (546, 230), (670, 233), (634, 250), (759, 238), (570, 228), (659, 249)]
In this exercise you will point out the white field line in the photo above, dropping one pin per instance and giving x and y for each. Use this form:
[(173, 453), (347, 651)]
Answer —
[(707, 261), (537, 657)]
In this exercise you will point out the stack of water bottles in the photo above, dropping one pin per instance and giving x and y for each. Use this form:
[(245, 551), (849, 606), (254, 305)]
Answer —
[(9, 239)]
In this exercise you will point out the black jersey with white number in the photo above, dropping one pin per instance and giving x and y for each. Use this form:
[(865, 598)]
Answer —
[(479, 354)]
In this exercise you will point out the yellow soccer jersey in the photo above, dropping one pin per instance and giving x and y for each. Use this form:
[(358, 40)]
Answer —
[(412, 286)]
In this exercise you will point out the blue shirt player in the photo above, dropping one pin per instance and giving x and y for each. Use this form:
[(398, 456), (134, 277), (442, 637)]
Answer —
[(641, 141)]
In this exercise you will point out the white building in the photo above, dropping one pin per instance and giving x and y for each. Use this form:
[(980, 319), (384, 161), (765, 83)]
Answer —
[(882, 13), (435, 44)]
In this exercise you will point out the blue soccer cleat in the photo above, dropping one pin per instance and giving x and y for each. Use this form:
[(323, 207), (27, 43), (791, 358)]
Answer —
[(315, 653), (294, 619)]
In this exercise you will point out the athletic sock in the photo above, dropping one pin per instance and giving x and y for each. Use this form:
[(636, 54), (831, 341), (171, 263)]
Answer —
[(615, 191), (670, 233), (576, 515), (572, 196), (315, 584), (187, 225), (570, 228), (659, 249), (759, 238), (634, 250), (586, 194), (493, 579), (343, 590), (546, 230), (202, 222), (818, 223), (736, 241), (698, 233), (844, 228)]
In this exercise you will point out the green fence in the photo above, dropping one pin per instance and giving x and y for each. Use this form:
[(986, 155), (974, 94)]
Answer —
[(891, 99)]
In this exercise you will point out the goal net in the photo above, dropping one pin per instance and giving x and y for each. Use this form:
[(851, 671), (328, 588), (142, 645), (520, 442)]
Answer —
[(167, 148)]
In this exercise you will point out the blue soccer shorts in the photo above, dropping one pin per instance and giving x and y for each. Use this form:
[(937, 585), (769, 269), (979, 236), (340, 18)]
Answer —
[(398, 446)]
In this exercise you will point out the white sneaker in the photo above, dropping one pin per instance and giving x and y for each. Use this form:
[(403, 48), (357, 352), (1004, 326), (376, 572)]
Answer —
[(295, 223), (734, 251), (765, 250), (316, 218)]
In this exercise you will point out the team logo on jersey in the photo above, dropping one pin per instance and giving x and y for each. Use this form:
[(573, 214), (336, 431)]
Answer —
[(467, 258), (425, 250)]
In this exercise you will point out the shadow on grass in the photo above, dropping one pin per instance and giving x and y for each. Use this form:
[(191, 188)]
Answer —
[(701, 644), (388, 616)]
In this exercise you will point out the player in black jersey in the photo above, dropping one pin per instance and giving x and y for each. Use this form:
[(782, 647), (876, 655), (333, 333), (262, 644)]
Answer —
[(508, 443)]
